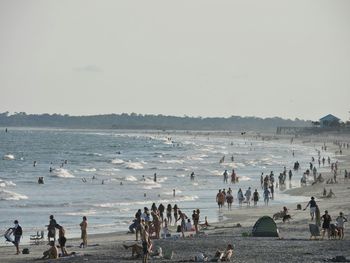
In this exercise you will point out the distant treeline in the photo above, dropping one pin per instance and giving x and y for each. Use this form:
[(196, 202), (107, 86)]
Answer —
[(146, 122)]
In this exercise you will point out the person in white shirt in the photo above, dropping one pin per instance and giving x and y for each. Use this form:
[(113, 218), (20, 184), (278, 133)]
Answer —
[(340, 224)]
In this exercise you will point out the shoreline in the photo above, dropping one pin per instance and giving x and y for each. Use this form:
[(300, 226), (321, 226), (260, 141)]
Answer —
[(296, 231)]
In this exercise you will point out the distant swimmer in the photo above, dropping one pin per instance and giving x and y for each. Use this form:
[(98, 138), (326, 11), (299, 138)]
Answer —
[(222, 159), (65, 161), (173, 192), (143, 177), (6, 130), (192, 176), (121, 183), (93, 177), (84, 180), (155, 177), (103, 182), (232, 158), (51, 170), (34, 164), (41, 180)]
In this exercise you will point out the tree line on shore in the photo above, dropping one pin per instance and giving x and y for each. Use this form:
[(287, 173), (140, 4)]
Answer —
[(146, 122)]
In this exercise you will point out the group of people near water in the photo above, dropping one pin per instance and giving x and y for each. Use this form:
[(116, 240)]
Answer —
[(52, 252), (334, 230), (154, 223)]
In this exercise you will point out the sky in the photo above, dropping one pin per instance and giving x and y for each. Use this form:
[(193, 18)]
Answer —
[(187, 57)]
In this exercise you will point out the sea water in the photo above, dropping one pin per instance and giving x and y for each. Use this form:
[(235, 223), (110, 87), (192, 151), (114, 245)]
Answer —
[(109, 175)]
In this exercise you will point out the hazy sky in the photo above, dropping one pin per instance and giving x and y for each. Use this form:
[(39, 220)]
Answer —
[(199, 58)]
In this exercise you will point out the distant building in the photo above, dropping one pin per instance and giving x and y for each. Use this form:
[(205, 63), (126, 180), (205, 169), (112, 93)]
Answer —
[(329, 121)]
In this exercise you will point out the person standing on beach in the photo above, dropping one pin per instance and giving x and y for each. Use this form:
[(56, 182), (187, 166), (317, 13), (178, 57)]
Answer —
[(17, 232), (146, 244), (229, 200), (51, 229), (195, 218), (83, 227), (266, 196), (225, 176), (340, 224), (168, 213), (240, 197), (183, 218), (138, 224), (233, 177), (255, 197), (248, 194), (62, 240), (326, 224), (161, 209), (220, 198), (175, 213), (312, 204)]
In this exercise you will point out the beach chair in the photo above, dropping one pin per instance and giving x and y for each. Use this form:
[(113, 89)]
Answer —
[(314, 231), (37, 238)]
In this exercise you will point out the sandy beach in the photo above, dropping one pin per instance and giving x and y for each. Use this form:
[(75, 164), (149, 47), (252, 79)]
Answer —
[(293, 245)]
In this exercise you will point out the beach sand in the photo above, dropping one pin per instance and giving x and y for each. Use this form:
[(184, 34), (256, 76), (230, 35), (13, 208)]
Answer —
[(294, 244)]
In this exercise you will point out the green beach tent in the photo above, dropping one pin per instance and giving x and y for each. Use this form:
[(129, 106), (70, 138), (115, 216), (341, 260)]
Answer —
[(265, 227)]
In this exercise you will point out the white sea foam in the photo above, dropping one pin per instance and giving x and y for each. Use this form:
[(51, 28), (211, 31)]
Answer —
[(9, 195), (8, 157), (134, 165), (147, 202), (117, 161), (62, 173), (244, 178), (4, 183), (89, 170), (130, 178), (172, 161), (194, 158), (82, 213)]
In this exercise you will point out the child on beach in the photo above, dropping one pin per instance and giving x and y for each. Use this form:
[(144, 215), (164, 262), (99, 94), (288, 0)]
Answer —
[(83, 227)]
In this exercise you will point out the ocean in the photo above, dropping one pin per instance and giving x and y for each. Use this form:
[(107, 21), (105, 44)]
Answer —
[(109, 174)]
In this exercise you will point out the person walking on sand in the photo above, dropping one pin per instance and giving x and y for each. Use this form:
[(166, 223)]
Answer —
[(340, 224), (312, 204), (17, 232), (83, 228)]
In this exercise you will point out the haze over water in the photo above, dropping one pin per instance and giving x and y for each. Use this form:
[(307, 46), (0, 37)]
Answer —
[(120, 159)]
